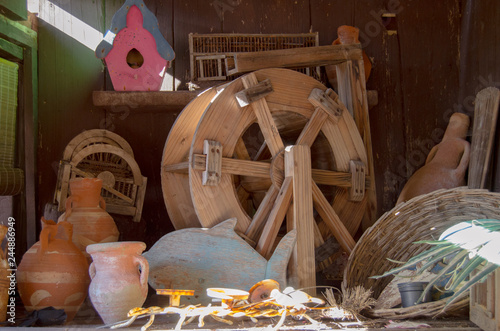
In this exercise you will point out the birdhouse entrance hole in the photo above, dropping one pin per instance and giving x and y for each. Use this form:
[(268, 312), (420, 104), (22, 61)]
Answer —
[(134, 59)]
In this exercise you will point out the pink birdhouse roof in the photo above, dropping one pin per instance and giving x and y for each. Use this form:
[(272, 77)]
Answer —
[(150, 23)]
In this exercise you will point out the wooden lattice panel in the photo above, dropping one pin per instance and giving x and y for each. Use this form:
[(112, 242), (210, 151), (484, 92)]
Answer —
[(209, 53)]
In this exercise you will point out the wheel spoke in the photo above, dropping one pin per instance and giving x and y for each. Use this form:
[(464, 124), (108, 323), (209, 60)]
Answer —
[(312, 128), (332, 220), (275, 219), (235, 166), (260, 217), (241, 150), (264, 118)]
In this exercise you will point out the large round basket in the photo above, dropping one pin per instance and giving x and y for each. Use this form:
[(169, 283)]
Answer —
[(422, 218)]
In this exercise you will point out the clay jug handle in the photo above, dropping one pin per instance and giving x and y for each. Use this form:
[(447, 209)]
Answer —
[(102, 203), (92, 270), (47, 231), (464, 161), (431, 155), (69, 205), (141, 260)]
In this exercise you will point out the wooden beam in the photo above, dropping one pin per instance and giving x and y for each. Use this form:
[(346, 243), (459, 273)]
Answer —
[(17, 33), (11, 49), (269, 234), (137, 99), (483, 134), (331, 219), (295, 57), (298, 166), (254, 93), (14, 9), (352, 92)]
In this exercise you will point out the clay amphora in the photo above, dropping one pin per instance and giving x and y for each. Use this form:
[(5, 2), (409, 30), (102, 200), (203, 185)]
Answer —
[(4, 274), (446, 163), (86, 210), (53, 272), (119, 278)]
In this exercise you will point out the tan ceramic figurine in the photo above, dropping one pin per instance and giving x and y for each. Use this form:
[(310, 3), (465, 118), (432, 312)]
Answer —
[(446, 163)]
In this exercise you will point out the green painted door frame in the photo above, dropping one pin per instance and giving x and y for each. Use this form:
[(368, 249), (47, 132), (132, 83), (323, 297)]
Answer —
[(20, 42)]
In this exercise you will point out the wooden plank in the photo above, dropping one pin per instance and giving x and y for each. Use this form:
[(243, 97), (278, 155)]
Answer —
[(262, 214), (484, 307), (313, 127), (331, 219), (328, 15), (254, 93), (275, 219), (14, 9), (264, 17), (294, 58), (262, 170), (142, 99), (352, 92), (11, 49), (139, 201), (264, 118), (186, 19), (236, 166), (483, 134), (17, 33), (334, 178), (386, 78), (298, 166)]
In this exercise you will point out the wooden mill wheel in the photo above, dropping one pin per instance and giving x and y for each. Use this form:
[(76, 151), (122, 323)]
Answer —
[(251, 147)]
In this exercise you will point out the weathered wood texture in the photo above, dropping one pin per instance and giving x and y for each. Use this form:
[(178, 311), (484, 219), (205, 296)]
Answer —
[(415, 71), (68, 74), (480, 66)]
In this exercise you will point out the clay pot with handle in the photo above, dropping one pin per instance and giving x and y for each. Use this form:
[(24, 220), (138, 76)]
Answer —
[(446, 163), (347, 35), (119, 278), (86, 210), (53, 272)]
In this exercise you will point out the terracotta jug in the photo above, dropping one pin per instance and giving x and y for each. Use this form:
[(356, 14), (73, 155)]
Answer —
[(86, 210), (347, 35), (446, 163), (53, 272), (119, 278), (4, 274)]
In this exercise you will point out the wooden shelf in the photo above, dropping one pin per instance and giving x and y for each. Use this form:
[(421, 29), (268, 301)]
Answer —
[(135, 99), (170, 99)]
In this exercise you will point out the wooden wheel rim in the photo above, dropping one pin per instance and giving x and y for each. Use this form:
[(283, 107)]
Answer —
[(223, 120)]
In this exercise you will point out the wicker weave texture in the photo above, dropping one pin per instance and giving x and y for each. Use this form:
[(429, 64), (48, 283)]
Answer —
[(422, 218)]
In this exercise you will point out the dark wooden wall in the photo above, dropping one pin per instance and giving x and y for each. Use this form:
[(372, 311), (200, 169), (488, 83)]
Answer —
[(420, 70)]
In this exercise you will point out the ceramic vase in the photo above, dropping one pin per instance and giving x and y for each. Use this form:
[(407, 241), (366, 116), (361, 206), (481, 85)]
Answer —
[(53, 272), (4, 280), (446, 163), (119, 278), (86, 210)]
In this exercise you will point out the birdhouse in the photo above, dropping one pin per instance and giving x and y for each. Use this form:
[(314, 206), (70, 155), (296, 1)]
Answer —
[(134, 50)]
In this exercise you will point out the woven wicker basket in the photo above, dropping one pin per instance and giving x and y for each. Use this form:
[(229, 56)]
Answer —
[(422, 218)]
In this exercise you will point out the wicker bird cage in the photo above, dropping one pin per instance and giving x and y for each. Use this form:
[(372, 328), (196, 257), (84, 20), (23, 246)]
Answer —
[(422, 218)]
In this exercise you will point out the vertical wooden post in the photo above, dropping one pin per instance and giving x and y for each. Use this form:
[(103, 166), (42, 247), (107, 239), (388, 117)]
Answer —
[(352, 93), (298, 166)]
